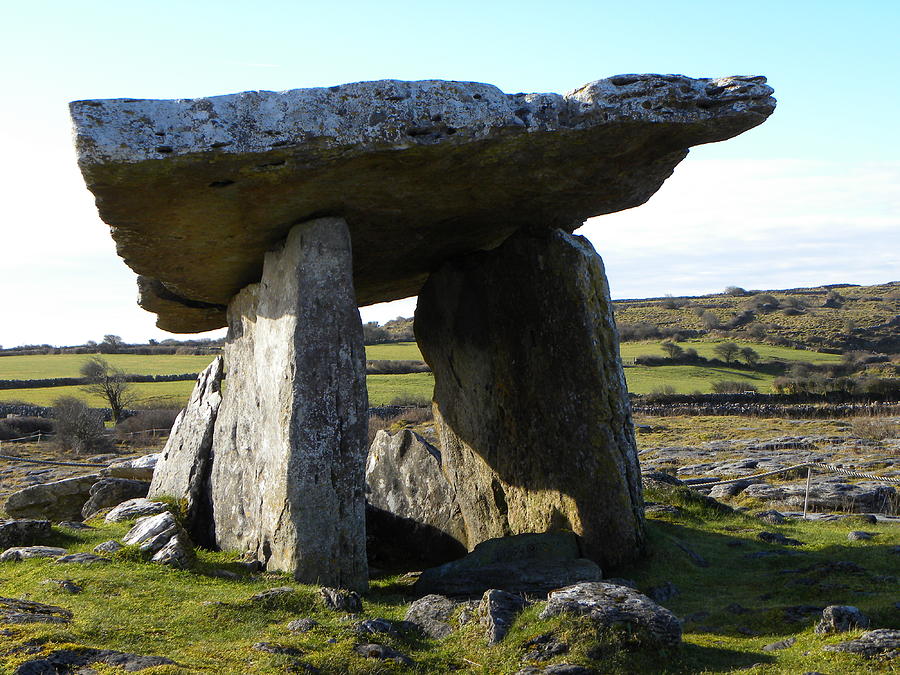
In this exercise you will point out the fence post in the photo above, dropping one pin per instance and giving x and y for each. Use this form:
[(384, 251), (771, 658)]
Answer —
[(806, 498)]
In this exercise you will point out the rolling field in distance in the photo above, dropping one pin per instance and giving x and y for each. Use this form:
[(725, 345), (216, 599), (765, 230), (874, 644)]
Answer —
[(384, 388)]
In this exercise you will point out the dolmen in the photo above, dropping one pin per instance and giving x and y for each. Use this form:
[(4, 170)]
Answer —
[(278, 214)]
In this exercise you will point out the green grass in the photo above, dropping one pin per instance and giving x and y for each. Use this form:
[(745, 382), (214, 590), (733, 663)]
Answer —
[(706, 349), (688, 379), (67, 365), (208, 624), (382, 390), (394, 351)]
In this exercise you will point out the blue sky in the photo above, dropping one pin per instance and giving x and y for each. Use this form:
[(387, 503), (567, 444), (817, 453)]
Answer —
[(810, 197)]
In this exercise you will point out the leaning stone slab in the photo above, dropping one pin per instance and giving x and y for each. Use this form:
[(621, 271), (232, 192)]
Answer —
[(139, 468), (22, 532), (58, 500), (111, 492), (412, 513), (497, 611), (526, 563), (182, 471), (610, 606), (197, 191), (177, 553), (288, 472), (135, 508), (530, 400), (18, 553)]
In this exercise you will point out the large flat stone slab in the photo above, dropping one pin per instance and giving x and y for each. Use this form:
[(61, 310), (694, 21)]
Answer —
[(289, 447), (198, 190)]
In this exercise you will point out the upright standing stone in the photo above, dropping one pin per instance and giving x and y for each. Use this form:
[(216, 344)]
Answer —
[(182, 470), (530, 399), (289, 447)]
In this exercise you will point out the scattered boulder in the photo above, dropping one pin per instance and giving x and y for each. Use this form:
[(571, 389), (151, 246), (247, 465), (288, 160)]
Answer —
[(544, 647), (302, 625), (781, 644), (272, 596), (133, 509), (432, 615), (82, 558), (341, 599), (139, 468), (151, 533), (177, 553), (859, 535), (525, 563), (25, 552), (74, 525), (375, 626), (110, 546), (778, 538), (28, 611), (22, 532), (384, 653), (497, 611), (882, 642), (412, 514), (829, 495), (608, 606), (58, 500), (772, 517), (840, 619), (663, 592), (77, 661), (67, 585), (557, 669), (112, 492)]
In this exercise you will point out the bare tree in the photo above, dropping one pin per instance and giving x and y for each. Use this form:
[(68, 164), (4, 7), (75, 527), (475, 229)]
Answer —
[(750, 355), (110, 383), (78, 428), (727, 350), (672, 350)]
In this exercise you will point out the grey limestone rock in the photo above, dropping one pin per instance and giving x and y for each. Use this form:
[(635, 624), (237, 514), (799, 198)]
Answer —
[(302, 625), (272, 595), (288, 472), (859, 535), (58, 500), (67, 585), (501, 329), (525, 563), (182, 471), (341, 600), (177, 553), (840, 619), (412, 514), (79, 661), (22, 532), (139, 468), (28, 611), (108, 492), (383, 652), (135, 508), (608, 605), (152, 533), (82, 558), (882, 642), (432, 614), (497, 611), (231, 174), (110, 546), (18, 553)]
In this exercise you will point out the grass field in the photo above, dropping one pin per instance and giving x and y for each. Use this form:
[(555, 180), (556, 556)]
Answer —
[(67, 365), (732, 608), (706, 349), (394, 351), (688, 379)]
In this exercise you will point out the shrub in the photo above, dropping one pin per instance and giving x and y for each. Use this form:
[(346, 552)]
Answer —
[(412, 401), (736, 291), (396, 367), (750, 356), (672, 350), (78, 428), (709, 320), (374, 334), (727, 350), (19, 427), (130, 429), (660, 393), (875, 428), (733, 387)]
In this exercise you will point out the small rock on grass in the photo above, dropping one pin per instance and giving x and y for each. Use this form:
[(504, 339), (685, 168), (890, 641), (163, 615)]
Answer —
[(110, 546), (75, 660), (82, 558), (302, 625), (781, 644), (840, 619), (859, 535), (272, 594), (431, 615), (24, 532), (884, 641), (372, 626), (272, 648), (67, 585), (341, 600), (18, 553), (497, 611), (28, 611), (778, 538), (74, 525), (384, 653)]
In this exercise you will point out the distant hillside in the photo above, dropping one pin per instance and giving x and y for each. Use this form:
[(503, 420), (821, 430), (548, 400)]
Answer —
[(838, 317)]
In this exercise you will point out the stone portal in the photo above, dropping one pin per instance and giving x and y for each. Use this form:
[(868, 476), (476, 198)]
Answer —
[(289, 446), (530, 401)]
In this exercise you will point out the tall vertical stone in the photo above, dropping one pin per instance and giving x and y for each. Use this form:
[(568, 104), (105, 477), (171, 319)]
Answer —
[(289, 448), (530, 399)]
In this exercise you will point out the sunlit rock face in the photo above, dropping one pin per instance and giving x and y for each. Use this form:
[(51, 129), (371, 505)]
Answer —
[(197, 190)]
